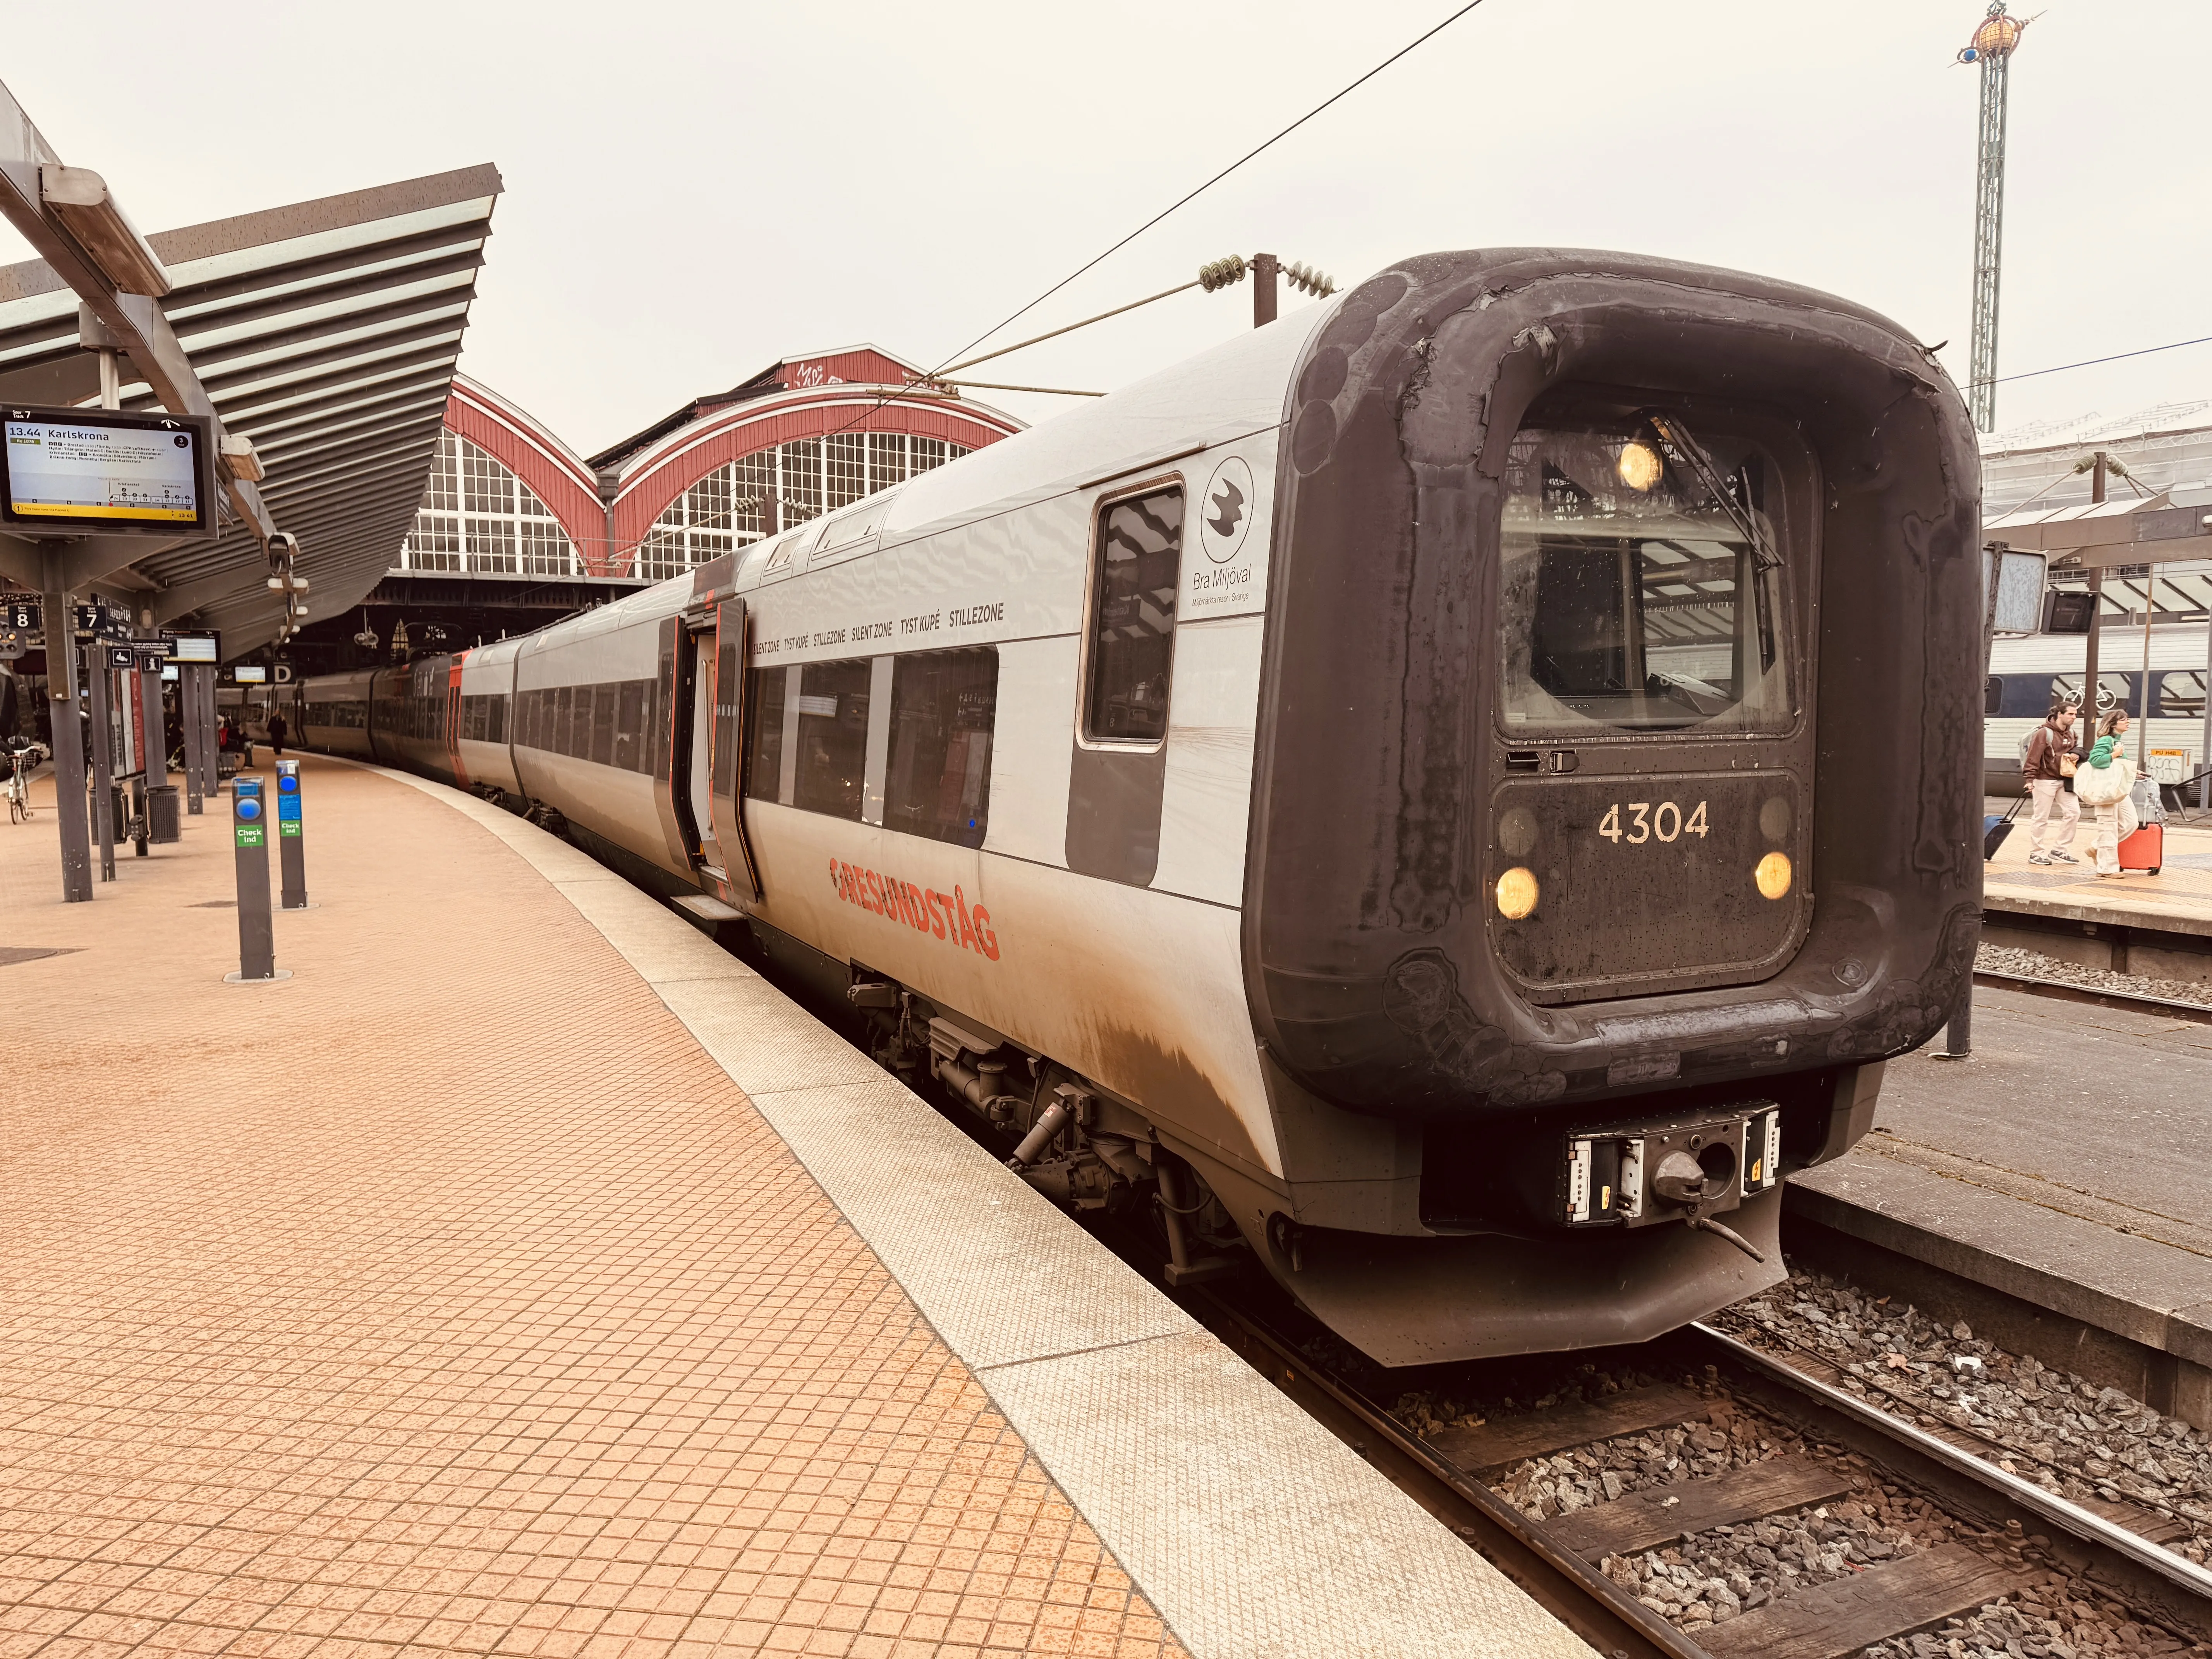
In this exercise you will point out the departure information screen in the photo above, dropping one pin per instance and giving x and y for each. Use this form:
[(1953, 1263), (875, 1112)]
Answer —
[(194, 647), (81, 470)]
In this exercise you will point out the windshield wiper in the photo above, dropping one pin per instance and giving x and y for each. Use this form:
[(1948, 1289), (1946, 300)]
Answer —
[(1676, 437)]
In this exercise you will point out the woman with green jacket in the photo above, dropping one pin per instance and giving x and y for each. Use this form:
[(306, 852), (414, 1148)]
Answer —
[(2105, 782)]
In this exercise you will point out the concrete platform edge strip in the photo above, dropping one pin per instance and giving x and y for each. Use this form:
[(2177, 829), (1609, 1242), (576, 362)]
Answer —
[(2140, 1289), (1254, 1532), (2171, 917)]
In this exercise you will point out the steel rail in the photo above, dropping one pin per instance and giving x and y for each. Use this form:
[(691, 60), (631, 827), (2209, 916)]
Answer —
[(1561, 1581), (2066, 990), (2150, 1578)]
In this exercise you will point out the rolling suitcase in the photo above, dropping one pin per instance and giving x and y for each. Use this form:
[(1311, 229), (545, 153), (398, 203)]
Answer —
[(2145, 850), (1995, 828)]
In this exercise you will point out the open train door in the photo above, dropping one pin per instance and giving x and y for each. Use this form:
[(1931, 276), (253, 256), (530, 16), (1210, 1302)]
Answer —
[(452, 732), (672, 752), (726, 792)]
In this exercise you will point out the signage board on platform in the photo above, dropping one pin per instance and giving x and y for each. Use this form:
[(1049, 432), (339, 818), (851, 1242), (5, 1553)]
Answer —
[(193, 647), (105, 471)]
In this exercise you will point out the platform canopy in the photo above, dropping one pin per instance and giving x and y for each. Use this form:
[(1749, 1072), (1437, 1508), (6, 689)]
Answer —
[(327, 333), (2154, 551)]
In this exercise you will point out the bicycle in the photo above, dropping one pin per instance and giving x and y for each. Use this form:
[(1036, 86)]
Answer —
[(23, 760)]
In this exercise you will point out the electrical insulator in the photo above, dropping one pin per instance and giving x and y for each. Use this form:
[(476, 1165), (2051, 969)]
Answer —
[(1313, 282), (1221, 273)]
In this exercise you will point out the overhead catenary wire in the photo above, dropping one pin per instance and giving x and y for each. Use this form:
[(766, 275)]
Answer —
[(1250, 154), (2091, 362), (1165, 293), (1045, 391), (1180, 201)]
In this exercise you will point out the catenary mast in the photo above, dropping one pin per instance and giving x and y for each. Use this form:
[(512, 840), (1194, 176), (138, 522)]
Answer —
[(1992, 47)]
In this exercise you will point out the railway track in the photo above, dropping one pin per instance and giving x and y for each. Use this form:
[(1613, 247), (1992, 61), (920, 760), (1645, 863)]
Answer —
[(2101, 996), (2009, 1538)]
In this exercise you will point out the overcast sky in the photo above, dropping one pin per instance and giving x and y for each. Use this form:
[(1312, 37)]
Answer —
[(694, 191)]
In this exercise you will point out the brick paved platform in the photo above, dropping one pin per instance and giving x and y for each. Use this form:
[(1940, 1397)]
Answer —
[(2178, 897), (451, 1297)]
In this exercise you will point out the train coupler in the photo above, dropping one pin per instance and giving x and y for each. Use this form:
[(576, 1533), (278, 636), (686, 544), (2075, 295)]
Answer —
[(1640, 1175)]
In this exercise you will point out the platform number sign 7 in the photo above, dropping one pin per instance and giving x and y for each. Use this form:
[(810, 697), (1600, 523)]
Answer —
[(1665, 821)]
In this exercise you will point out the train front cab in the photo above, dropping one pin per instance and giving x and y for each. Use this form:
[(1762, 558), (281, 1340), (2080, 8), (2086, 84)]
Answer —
[(1615, 812)]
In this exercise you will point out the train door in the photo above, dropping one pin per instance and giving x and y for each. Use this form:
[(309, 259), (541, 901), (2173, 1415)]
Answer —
[(453, 721), (725, 789), (1118, 777), (699, 763), (674, 770)]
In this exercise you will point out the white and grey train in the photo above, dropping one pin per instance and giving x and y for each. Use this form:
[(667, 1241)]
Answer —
[(2027, 677), (1454, 793)]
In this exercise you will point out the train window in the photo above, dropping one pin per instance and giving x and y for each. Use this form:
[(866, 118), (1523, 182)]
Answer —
[(629, 722), (764, 742), (605, 699), (495, 719), (833, 737), (1993, 695), (1641, 587), (2181, 695), (943, 706), (564, 708), (1140, 566)]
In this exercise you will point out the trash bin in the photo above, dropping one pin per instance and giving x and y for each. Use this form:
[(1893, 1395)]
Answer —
[(164, 822)]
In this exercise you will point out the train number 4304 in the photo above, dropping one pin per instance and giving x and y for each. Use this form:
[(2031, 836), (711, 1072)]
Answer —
[(1646, 821)]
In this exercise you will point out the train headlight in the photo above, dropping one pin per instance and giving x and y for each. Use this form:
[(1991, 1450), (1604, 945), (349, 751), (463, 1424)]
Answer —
[(1639, 466), (1773, 875), (1516, 893)]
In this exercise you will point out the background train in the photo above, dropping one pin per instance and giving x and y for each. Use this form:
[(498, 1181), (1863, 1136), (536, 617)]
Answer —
[(2026, 675), (1452, 794)]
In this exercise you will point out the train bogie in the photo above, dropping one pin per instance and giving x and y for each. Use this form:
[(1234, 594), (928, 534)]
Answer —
[(1454, 793)]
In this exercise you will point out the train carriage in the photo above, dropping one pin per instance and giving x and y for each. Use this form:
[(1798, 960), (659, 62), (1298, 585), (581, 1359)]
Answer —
[(2027, 677), (1456, 792)]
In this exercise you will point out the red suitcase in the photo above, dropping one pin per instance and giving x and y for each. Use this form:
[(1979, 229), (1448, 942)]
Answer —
[(2144, 850)]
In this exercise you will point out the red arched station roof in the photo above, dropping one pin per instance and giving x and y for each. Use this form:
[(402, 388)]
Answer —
[(527, 448), (859, 389), (608, 501)]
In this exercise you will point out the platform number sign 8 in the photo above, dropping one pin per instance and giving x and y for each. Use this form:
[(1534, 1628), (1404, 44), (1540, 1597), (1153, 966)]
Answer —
[(1665, 821)]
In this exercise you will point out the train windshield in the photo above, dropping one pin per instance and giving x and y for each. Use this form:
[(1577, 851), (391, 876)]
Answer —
[(1642, 583)]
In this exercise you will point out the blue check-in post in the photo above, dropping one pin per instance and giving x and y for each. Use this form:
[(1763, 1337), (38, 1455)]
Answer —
[(291, 842), (256, 938)]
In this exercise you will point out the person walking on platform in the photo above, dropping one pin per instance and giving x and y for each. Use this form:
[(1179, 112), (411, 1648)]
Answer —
[(2105, 782), (2051, 757), (278, 731)]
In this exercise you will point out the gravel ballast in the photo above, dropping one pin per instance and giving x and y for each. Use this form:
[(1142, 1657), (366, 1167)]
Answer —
[(2051, 1427), (2033, 965)]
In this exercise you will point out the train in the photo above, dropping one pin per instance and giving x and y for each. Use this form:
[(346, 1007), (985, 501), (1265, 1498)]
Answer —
[(2029, 677), (1446, 799)]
